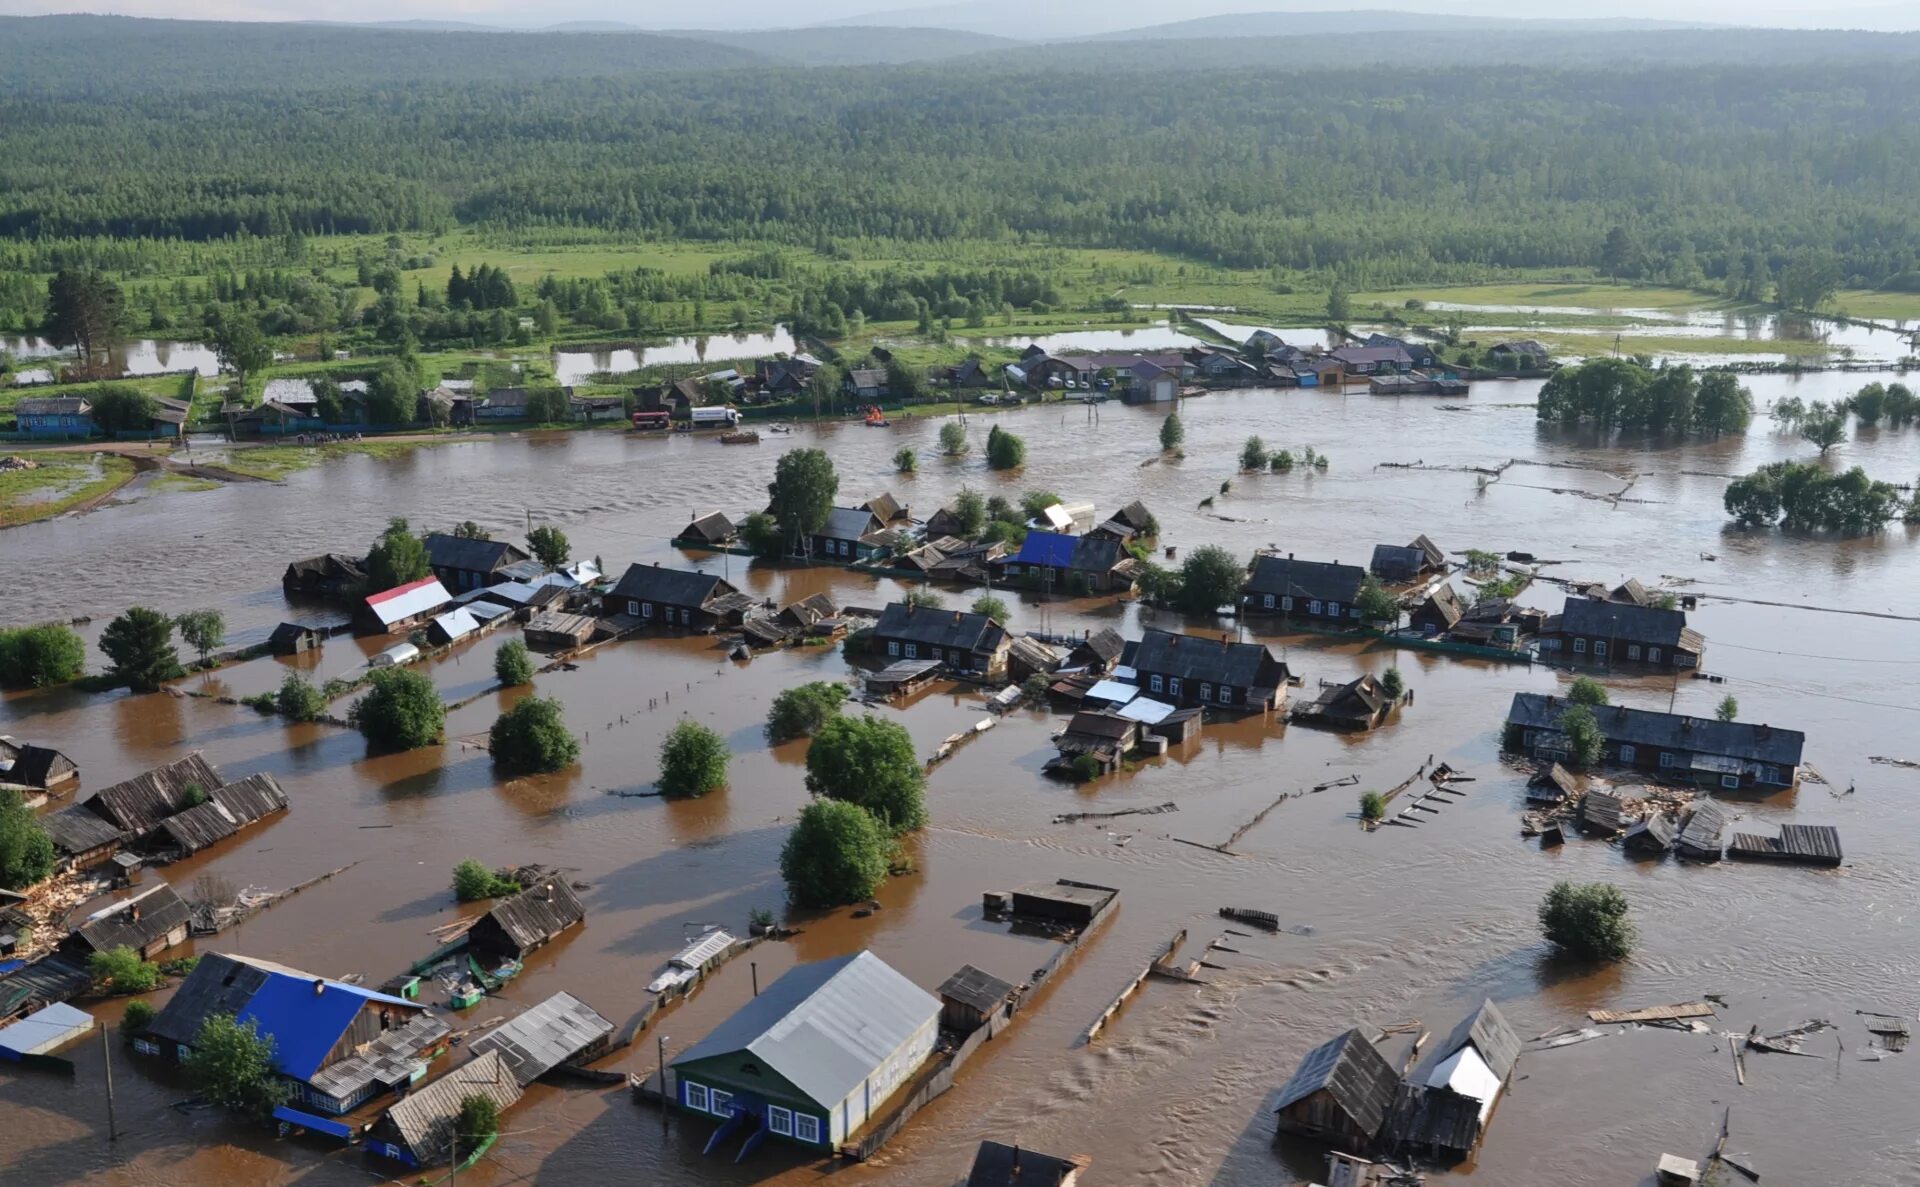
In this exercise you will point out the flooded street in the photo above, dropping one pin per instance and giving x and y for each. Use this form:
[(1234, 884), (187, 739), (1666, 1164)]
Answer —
[(1405, 923)]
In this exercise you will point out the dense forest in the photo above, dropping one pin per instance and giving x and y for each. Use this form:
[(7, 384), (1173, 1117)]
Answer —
[(1691, 174)]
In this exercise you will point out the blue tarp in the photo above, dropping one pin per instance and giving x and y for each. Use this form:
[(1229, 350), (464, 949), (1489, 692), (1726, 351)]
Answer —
[(1046, 548), (305, 1025), (332, 1129)]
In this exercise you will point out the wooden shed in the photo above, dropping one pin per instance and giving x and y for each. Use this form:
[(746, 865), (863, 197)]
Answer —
[(1341, 1094), (1703, 836), (1063, 901), (1600, 813), (552, 630), (420, 1130), (970, 997), (1802, 844), (527, 921), (35, 768), (293, 638)]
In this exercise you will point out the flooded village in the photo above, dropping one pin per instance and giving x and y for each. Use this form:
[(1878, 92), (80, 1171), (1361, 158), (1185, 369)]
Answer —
[(1242, 897)]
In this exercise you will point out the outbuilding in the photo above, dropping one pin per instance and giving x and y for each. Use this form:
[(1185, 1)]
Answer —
[(1340, 1095), (526, 921), (421, 1130)]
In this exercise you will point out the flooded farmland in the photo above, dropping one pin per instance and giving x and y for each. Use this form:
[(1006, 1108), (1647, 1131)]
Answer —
[(1405, 922)]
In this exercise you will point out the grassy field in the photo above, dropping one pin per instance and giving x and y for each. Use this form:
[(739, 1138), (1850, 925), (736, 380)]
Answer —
[(58, 484)]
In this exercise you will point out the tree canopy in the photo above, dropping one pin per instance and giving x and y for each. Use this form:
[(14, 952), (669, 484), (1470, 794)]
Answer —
[(835, 855), (26, 852), (1004, 450), (140, 645), (549, 546), (1804, 496), (1587, 920), (512, 664), (38, 656), (802, 491), (401, 710), (1613, 393), (869, 761), (1210, 578), (532, 738), (397, 558), (693, 761), (231, 1064), (800, 712)]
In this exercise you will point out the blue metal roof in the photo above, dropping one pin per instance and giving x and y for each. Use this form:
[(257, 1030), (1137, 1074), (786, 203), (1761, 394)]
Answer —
[(293, 1116), (1046, 548), (304, 1024)]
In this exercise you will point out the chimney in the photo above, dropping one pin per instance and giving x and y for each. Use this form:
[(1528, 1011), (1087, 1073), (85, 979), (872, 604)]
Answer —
[(549, 892), (133, 912), (319, 986)]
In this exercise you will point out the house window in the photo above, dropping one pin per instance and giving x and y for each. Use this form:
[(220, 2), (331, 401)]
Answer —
[(1579, 646), (1666, 760), (913, 651), (719, 1103), (936, 653), (893, 647), (1628, 753), (1226, 695), (1653, 655), (806, 1128), (780, 1120), (697, 1097), (1633, 651), (1600, 648), (1206, 692), (1314, 607), (1333, 609), (1173, 685), (1731, 782), (633, 608), (1770, 775), (1267, 601), (1286, 603), (1155, 683)]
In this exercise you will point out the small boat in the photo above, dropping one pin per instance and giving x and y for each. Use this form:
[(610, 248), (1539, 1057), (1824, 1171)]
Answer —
[(779, 428), (743, 437), (875, 418)]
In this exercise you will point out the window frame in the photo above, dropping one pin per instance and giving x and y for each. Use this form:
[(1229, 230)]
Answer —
[(1314, 607), (719, 1102), (1599, 649), (806, 1128), (633, 608), (780, 1120), (1333, 609), (1629, 752), (1730, 782), (1173, 686), (893, 648), (1268, 601), (1206, 691), (689, 1093), (1156, 683), (1286, 602), (1579, 646), (1666, 760), (910, 651)]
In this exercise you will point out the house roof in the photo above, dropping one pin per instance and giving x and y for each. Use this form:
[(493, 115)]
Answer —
[(47, 1029), (456, 623), (307, 1016), (825, 1027), (1628, 623), (53, 406), (1110, 727), (1486, 1031), (670, 587), (226, 811), (159, 909), (1000, 1165), (1444, 603), (1096, 554), (34, 766), (506, 397), (1353, 1070), (1286, 576), (885, 507), (408, 601), (546, 1036), (1104, 645), (976, 988), (1191, 657), (142, 802), (1705, 827), (425, 1118), (1528, 346), (1672, 731), (78, 829), (714, 525), (1135, 515), (867, 377), (1360, 355), (1051, 549), (327, 565), (849, 523), (388, 1059), (539, 913), (939, 628), (1360, 697), (478, 556)]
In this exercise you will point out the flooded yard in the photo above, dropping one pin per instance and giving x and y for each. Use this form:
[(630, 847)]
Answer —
[(577, 366), (137, 356), (1405, 922)]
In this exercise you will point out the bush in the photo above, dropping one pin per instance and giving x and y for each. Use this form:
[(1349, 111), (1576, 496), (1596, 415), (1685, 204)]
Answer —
[(1587, 920), (1728, 709), (1004, 450), (870, 761), (396, 558), (1375, 603), (477, 1123), (922, 597), (1585, 742), (1393, 683), (402, 710), (992, 607), (971, 510), (37, 656), (473, 882), (905, 461), (513, 664), (953, 438), (1585, 690), (1172, 432), (139, 1014), (1034, 503), (800, 712), (1085, 768), (231, 1064), (298, 699), (1210, 577), (836, 854), (120, 970), (1373, 806), (204, 631), (1253, 455), (140, 644), (26, 852), (761, 535), (693, 761), (532, 738)]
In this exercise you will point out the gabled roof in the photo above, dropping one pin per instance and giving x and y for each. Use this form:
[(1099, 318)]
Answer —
[(53, 406), (546, 1036), (976, 988), (1445, 604), (36, 766), (1706, 827), (885, 507), (228, 810), (1135, 515), (1626, 622), (78, 829), (669, 587), (1527, 346), (539, 913), (425, 1119), (1359, 355), (714, 525), (825, 1027), (1111, 727), (939, 628), (1353, 1070), (408, 601), (1673, 731), (1104, 645), (142, 802), (307, 1015), (478, 556), (1096, 554), (1051, 549), (1486, 1031), (1283, 576), (134, 922), (1191, 657), (849, 523)]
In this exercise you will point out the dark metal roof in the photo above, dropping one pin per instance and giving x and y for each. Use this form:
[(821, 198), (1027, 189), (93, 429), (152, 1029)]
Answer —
[(1626, 622), (158, 910), (998, 1165), (1354, 1071), (142, 802), (388, 1059), (538, 914), (668, 587), (935, 627), (1670, 731), (219, 984), (476, 556), (1486, 1031), (973, 987), (78, 829), (546, 1036), (1106, 726), (1190, 657), (849, 523), (1285, 576), (53, 406), (55, 977)]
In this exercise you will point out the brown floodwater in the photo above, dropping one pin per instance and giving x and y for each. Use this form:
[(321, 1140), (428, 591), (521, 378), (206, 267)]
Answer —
[(1405, 923)]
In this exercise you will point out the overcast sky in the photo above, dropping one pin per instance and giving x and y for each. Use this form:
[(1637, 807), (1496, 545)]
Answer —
[(1010, 17)]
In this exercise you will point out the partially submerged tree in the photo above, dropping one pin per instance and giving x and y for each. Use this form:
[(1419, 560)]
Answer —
[(953, 438), (1375, 603), (397, 558), (121, 970), (1585, 690), (1210, 577), (532, 738), (1728, 709), (298, 699), (693, 761), (800, 712), (549, 546), (26, 853), (231, 1064), (835, 855), (905, 461), (401, 710), (1585, 743), (870, 761), (513, 664), (1172, 432), (473, 882), (803, 488), (39, 656), (1004, 450), (140, 644), (204, 631), (992, 607), (761, 535), (1587, 920)]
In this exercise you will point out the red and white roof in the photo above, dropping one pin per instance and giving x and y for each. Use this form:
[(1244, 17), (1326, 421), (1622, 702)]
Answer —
[(409, 601)]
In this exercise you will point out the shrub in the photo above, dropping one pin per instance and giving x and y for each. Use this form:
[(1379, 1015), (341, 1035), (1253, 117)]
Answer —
[(1373, 806), (971, 509), (1210, 577), (231, 1064), (1393, 684), (953, 438), (140, 644), (138, 1014), (991, 606), (800, 712), (1729, 708), (26, 852), (37, 656), (298, 699), (836, 854), (693, 761), (922, 597), (1375, 603), (905, 461), (120, 970), (513, 664), (761, 534), (1587, 920), (473, 882), (1585, 690), (401, 711), (1085, 768), (1172, 432), (1253, 455), (1004, 450), (870, 761), (532, 738)]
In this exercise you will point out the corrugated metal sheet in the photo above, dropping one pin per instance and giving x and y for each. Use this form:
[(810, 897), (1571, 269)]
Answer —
[(408, 601), (306, 1024), (47, 1030), (390, 1059), (546, 1036), (425, 1119), (826, 1026), (1146, 710)]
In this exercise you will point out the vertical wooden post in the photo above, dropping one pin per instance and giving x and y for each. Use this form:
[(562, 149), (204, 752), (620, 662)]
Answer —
[(106, 1061)]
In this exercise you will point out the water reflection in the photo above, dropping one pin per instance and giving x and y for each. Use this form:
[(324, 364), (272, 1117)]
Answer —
[(577, 366), (137, 356)]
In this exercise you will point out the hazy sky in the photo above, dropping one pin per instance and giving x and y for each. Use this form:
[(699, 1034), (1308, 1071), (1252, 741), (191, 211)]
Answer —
[(1010, 17)]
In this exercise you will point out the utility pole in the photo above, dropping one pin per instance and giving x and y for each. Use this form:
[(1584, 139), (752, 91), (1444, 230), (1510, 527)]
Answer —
[(755, 966), (106, 1061), (661, 1041)]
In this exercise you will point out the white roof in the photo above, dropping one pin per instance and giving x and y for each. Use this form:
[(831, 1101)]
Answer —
[(486, 611), (1467, 1074), (399, 653), (1123, 672), (1112, 690), (46, 1030), (456, 623), (704, 949), (409, 601), (1145, 710), (1057, 516)]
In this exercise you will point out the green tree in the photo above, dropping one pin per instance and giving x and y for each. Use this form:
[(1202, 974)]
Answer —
[(135, 1019), (799, 712), (140, 645), (397, 558), (1728, 709), (1868, 404), (1253, 455), (1339, 306), (549, 546), (1034, 503), (1172, 432), (905, 461), (39, 656), (953, 438), (476, 1124), (1587, 920), (1375, 603), (532, 738), (240, 346), (231, 1064), (204, 631), (1393, 684), (693, 761), (803, 488), (1004, 450), (401, 710), (120, 970), (835, 855), (1808, 281), (546, 318), (473, 882), (1803, 496), (513, 664), (971, 510), (869, 761), (393, 393), (1159, 585), (298, 699), (26, 852), (1210, 578), (1373, 806), (122, 410), (466, 529), (992, 607), (1585, 690), (85, 310), (761, 535), (924, 598), (1585, 742)]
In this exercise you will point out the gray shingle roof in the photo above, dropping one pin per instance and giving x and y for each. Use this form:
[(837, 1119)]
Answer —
[(77, 829), (1671, 731), (1485, 1030), (546, 1036), (849, 523), (1285, 576), (935, 627), (669, 587), (1190, 657), (826, 1026), (140, 803), (425, 1119), (159, 911), (976, 988), (1625, 622), (478, 556), (1361, 1080)]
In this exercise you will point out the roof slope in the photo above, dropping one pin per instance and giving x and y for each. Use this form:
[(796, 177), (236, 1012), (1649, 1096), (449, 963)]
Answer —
[(159, 911), (279, 1000), (145, 800), (425, 1119), (1625, 621), (849, 523), (1190, 657), (1285, 576), (534, 916), (1353, 1069), (669, 587), (939, 628), (1052, 549), (226, 812), (545, 1037), (1646, 727), (77, 829), (999, 1165), (1486, 1031), (409, 600), (825, 1026), (36, 766)]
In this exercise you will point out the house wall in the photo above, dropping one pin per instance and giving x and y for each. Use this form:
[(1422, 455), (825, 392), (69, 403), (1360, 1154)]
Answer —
[(666, 614), (80, 425), (896, 1070), (1186, 692), (1585, 648), (1674, 764), (986, 663), (1325, 611), (756, 1090), (1319, 1116)]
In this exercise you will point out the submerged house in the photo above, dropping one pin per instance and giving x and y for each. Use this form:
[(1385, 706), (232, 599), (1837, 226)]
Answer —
[(996, 1164), (1702, 838), (527, 921), (1440, 613), (678, 598), (561, 1030), (1443, 1116), (226, 810), (1303, 589), (1360, 704), (462, 563), (336, 1045), (815, 1055), (138, 805), (329, 575), (81, 837), (712, 530), (844, 537), (404, 607), (1187, 671), (1718, 755), (35, 768), (1623, 631), (149, 923), (1408, 563), (966, 643), (1106, 738), (421, 1130), (293, 638), (1340, 1095), (1064, 564)]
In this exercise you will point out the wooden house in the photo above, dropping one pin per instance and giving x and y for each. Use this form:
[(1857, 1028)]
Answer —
[(56, 416), (1800, 844), (1410, 562), (293, 638), (712, 530), (1440, 613), (556, 630), (422, 1129), (1525, 354), (846, 535), (1060, 563), (1609, 632), (462, 563), (1340, 1095), (81, 837), (1442, 1114), (1187, 670), (970, 998), (329, 575), (227, 810), (657, 596), (968, 644), (1061, 901), (1104, 737), (527, 921), (402, 608), (1418, 354), (1314, 590), (1718, 755), (34, 768), (1372, 360), (1098, 652), (138, 805), (560, 1031), (1652, 837), (996, 1164), (502, 403), (1600, 813), (945, 522), (1361, 704), (149, 922)]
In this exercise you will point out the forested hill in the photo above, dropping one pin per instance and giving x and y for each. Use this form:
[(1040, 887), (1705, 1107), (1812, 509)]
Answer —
[(855, 45)]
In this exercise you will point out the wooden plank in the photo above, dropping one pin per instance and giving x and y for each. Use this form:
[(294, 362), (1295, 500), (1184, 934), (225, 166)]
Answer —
[(1654, 1013)]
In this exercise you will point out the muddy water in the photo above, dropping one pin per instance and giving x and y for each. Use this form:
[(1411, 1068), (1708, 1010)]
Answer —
[(1406, 922)]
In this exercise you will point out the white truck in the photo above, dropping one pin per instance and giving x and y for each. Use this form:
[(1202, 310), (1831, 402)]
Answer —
[(719, 416)]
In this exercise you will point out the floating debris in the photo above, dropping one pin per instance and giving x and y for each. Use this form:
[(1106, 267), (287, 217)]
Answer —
[(1654, 1013)]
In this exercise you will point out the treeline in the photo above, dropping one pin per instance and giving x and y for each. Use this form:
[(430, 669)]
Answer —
[(1711, 174), (1633, 394)]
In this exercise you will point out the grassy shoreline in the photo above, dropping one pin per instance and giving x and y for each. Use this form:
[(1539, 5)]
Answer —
[(97, 478)]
